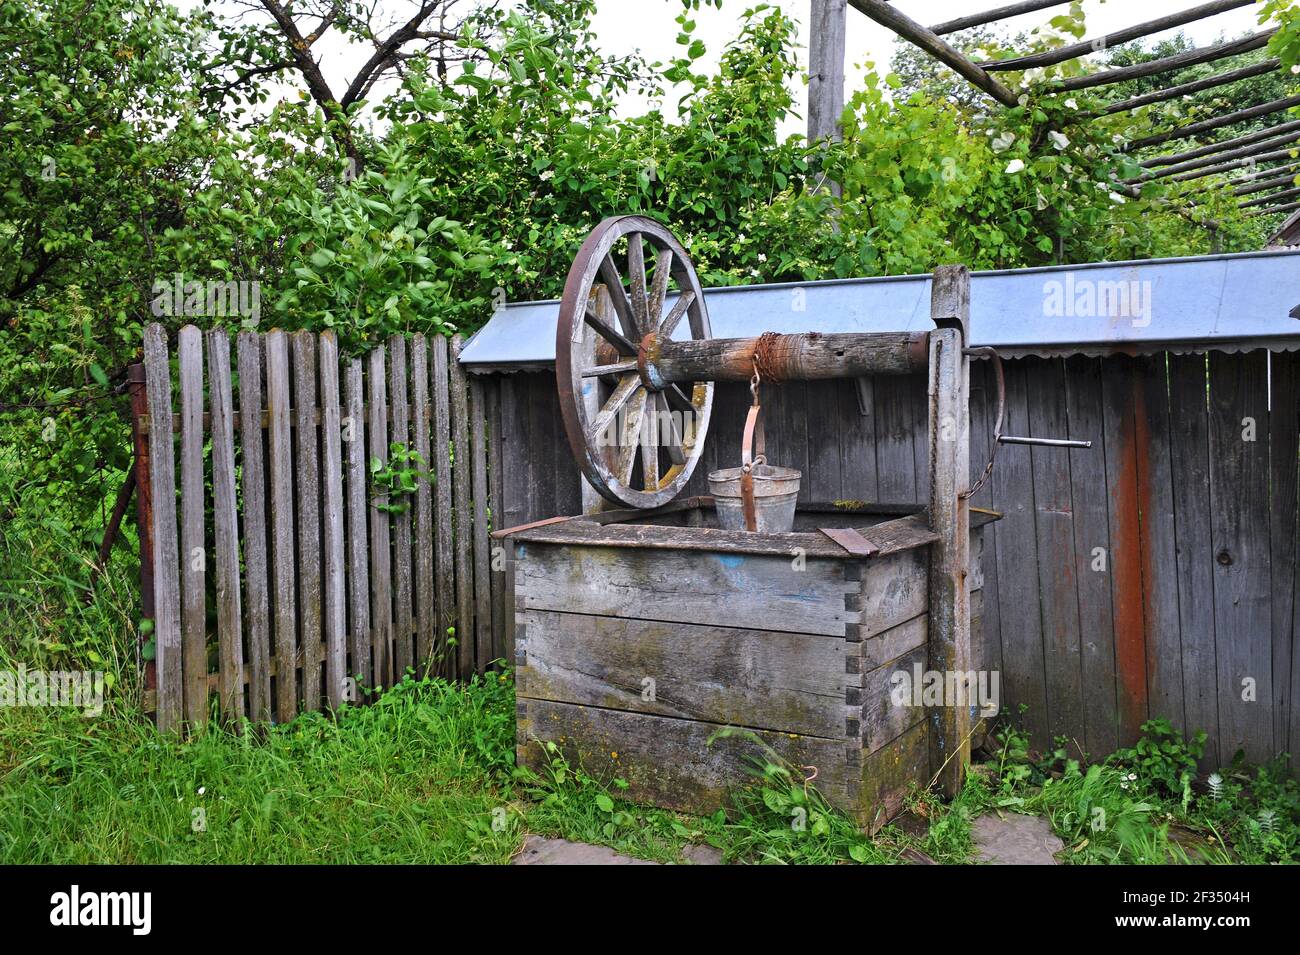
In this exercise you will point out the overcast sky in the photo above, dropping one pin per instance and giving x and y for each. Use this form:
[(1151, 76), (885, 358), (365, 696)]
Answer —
[(648, 26)]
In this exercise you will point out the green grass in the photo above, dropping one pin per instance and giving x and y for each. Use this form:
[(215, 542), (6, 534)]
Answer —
[(427, 774)]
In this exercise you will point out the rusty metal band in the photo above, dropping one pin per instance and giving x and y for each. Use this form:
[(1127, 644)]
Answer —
[(771, 354)]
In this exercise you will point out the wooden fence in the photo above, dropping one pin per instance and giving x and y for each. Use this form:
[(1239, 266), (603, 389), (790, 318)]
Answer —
[(1152, 575), (282, 578)]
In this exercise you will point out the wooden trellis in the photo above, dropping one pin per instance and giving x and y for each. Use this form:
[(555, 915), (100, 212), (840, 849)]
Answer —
[(1277, 144)]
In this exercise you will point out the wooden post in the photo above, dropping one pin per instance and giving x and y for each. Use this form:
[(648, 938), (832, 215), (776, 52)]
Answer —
[(949, 406), (826, 21)]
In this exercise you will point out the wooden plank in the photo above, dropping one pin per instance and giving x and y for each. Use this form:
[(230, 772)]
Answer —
[(986, 643), (194, 637), (1016, 546), (280, 471), (381, 580), (894, 588), (354, 436), (1092, 560), (307, 472), (672, 763), (166, 556), (788, 403), (888, 537), (857, 440), (1239, 522), (1159, 542), (425, 612), (1193, 568), (253, 475), (444, 549), (1284, 524), (699, 588), (483, 656), (890, 773), (335, 623), (892, 699), (225, 520), (1054, 534), (458, 392), (515, 461), (496, 493), (1120, 382), (787, 682), (893, 643), (403, 579), (896, 418)]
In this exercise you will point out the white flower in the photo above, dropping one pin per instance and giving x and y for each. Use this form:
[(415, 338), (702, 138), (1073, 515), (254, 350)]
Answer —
[(547, 174), (1071, 103), (1059, 140), (1014, 166), (1295, 68), (1116, 198), (762, 256), (202, 790)]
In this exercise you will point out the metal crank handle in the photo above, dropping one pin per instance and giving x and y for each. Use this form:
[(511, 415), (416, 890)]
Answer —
[(1044, 442)]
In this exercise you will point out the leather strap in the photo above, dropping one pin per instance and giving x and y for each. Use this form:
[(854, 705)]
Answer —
[(753, 440)]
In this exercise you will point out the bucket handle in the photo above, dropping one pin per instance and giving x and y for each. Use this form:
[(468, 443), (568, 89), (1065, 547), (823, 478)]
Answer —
[(754, 441)]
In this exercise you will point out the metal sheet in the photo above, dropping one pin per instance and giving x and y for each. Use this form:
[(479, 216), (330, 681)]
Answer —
[(1226, 302)]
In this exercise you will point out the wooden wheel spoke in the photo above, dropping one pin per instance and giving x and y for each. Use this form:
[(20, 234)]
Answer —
[(625, 390), (618, 368), (637, 283), (630, 437), (677, 398), (659, 292), (611, 335), (618, 296), (668, 422), (679, 310)]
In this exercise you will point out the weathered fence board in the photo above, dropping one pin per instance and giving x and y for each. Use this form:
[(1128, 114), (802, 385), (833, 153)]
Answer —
[(225, 520), (443, 546), (381, 558), (403, 591), (459, 390), (1193, 571), (335, 601), (166, 553), (307, 471), (420, 419), (193, 552), (358, 546), (258, 622), (1092, 570), (284, 595)]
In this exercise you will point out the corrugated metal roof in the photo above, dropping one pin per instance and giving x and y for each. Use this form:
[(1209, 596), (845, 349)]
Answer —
[(1224, 302)]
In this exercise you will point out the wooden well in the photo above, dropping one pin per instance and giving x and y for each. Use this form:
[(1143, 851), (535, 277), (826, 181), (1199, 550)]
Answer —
[(640, 635)]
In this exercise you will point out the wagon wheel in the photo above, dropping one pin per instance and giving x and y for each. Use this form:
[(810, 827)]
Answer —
[(636, 439)]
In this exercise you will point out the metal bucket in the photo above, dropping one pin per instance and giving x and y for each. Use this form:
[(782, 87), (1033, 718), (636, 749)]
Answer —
[(775, 492)]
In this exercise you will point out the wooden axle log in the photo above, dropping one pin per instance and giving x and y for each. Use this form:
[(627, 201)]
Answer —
[(802, 357)]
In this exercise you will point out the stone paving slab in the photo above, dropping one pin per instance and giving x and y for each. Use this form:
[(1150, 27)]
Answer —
[(539, 850), (1015, 839)]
